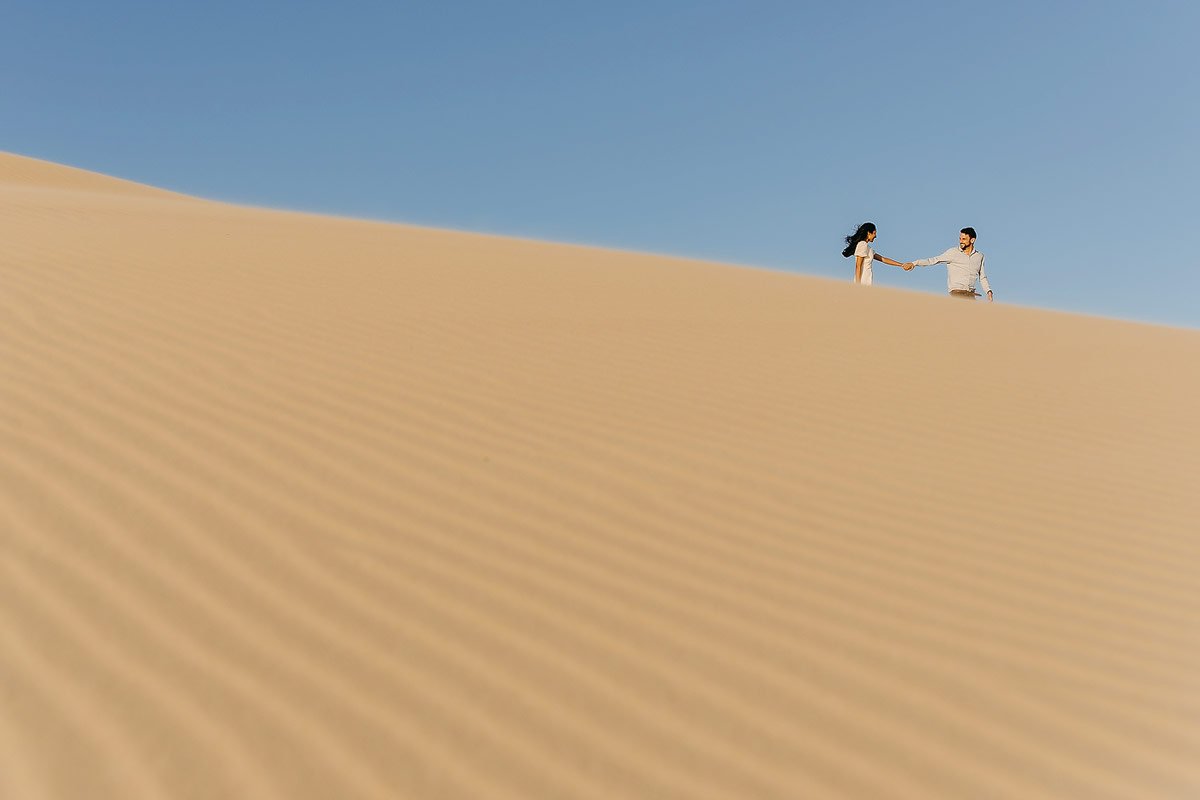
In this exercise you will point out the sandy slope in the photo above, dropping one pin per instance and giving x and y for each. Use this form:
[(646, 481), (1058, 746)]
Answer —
[(297, 507)]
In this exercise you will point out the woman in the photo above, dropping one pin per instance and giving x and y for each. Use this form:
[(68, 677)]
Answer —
[(858, 244)]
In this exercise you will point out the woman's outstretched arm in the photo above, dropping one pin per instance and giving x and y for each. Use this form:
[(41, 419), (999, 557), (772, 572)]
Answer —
[(887, 260)]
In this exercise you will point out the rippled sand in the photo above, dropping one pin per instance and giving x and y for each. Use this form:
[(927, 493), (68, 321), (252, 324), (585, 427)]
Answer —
[(302, 507)]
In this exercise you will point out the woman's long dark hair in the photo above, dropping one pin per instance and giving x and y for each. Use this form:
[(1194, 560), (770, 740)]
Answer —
[(859, 235)]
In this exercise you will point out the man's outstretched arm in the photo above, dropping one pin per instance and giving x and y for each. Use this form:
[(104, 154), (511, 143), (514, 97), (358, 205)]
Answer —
[(944, 258)]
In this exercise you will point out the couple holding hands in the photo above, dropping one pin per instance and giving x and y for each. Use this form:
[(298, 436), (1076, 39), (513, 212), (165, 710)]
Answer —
[(964, 264)]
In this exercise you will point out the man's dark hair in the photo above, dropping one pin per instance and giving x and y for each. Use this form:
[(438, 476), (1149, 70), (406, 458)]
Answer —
[(969, 232)]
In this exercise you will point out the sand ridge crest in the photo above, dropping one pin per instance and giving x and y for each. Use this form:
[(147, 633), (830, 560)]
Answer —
[(17, 171)]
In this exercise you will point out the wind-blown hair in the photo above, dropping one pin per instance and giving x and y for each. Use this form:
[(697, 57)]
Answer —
[(859, 235)]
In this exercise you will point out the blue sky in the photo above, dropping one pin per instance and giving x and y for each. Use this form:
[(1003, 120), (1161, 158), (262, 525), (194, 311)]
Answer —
[(758, 133)]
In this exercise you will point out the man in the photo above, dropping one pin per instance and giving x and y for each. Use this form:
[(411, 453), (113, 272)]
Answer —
[(964, 266)]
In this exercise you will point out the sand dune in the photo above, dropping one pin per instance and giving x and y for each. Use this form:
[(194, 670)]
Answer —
[(301, 507)]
